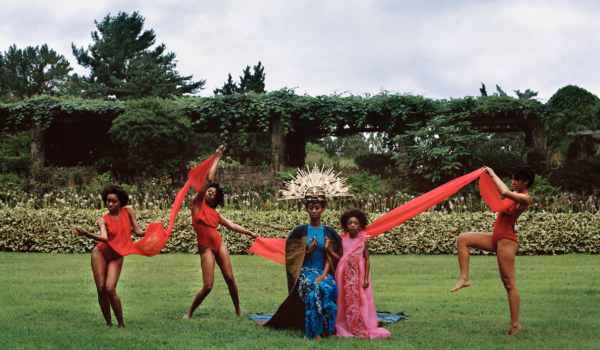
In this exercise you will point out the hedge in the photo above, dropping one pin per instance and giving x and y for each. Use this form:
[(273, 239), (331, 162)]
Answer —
[(50, 231)]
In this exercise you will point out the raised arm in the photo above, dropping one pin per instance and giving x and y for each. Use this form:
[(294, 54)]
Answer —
[(103, 237), (519, 198), (136, 229), (210, 177), (330, 250), (367, 263), (235, 227)]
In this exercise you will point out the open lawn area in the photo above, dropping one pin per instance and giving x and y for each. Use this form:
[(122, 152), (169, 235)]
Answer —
[(48, 301)]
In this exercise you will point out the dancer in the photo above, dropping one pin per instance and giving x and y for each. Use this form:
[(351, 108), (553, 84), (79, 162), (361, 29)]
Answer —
[(106, 262), (205, 220), (503, 240), (356, 314)]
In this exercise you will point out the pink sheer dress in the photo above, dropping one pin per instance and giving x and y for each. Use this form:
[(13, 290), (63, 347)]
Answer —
[(356, 315)]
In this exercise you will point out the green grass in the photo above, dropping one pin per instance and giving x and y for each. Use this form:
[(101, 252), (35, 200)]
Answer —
[(49, 301)]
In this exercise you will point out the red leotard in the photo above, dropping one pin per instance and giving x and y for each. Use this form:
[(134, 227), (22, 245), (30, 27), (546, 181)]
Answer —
[(504, 228), (205, 223), (115, 228)]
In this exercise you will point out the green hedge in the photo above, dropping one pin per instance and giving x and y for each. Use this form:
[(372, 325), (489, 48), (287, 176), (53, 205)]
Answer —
[(50, 230)]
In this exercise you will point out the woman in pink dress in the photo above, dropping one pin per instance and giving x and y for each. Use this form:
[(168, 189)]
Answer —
[(356, 315)]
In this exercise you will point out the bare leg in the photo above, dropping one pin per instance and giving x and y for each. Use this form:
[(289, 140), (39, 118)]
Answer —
[(224, 262), (99, 269), (207, 261), (507, 250), (478, 240), (113, 272)]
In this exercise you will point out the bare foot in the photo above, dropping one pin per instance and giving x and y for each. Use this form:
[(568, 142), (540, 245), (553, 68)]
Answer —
[(461, 284), (512, 331), (187, 315), (239, 313), (122, 325), (317, 337), (109, 324)]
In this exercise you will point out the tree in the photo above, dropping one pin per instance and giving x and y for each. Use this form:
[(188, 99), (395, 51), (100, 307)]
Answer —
[(438, 149), (229, 88), (2, 84), (122, 64), (526, 95), (248, 82), (482, 90), (500, 91), (33, 71), (153, 136)]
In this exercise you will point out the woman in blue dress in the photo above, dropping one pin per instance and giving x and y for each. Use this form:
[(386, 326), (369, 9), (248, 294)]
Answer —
[(311, 304)]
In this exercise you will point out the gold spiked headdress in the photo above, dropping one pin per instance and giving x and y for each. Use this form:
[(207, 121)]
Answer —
[(315, 185)]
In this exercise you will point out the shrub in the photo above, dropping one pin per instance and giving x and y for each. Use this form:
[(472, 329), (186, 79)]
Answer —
[(374, 161), (153, 136), (15, 165), (50, 231), (577, 175)]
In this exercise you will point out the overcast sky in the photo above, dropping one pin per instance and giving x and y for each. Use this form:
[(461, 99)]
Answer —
[(439, 49)]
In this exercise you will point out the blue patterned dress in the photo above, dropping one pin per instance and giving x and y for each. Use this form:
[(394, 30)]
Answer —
[(319, 300)]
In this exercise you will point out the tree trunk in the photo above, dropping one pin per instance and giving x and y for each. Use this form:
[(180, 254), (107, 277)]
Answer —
[(538, 134), (277, 144), (36, 145), (295, 148)]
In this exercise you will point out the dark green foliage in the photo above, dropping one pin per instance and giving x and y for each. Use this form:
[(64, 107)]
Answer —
[(501, 161), (15, 144), (440, 148), (3, 89), (482, 90), (33, 71), (526, 95), (15, 165), (500, 91), (254, 82), (346, 146), (374, 161), (574, 109), (153, 137), (122, 64), (581, 175)]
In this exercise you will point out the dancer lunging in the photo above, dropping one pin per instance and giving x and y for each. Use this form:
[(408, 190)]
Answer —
[(211, 247), (106, 262), (503, 241)]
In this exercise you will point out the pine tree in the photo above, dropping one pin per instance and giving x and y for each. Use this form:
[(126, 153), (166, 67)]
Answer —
[(482, 90), (253, 82), (121, 60), (229, 88), (33, 70), (526, 95), (500, 91)]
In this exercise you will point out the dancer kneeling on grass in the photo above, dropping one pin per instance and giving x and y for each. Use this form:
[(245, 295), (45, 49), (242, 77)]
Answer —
[(503, 240), (106, 262), (211, 247), (356, 314)]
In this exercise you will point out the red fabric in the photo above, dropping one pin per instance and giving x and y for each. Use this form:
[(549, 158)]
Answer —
[(489, 192), (156, 237), (504, 228), (205, 223), (108, 252)]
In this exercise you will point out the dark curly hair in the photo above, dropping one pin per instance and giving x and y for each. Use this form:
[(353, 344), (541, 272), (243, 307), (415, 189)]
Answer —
[(119, 191), (354, 213), (523, 173), (218, 197)]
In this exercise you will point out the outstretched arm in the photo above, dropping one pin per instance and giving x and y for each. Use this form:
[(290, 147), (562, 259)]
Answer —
[(210, 177), (519, 198), (235, 227), (136, 229), (367, 264), (103, 237)]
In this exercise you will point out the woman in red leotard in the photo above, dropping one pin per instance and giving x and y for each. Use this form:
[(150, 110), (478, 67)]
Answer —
[(503, 241), (106, 262), (211, 247)]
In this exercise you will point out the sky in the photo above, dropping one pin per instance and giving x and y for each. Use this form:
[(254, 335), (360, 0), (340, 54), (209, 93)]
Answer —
[(439, 48)]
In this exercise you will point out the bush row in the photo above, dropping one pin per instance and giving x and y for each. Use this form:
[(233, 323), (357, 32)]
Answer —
[(50, 231)]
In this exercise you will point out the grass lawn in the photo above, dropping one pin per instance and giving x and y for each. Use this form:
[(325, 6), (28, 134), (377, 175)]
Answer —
[(49, 301)]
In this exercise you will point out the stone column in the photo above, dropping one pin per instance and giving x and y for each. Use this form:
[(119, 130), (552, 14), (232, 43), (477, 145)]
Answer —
[(277, 144), (36, 144)]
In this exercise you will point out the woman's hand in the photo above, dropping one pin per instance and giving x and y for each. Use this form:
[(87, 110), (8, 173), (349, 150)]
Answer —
[(253, 235), (81, 232), (366, 285), (219, 151), (312, 246), (319, 279), (489, 170), (327, 243)]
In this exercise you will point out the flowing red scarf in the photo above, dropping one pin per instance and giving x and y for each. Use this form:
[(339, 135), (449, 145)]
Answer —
[(156, 237), (274, 248)]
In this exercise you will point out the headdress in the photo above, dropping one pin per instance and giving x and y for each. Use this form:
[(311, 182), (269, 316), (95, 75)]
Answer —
[(315, 185)]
